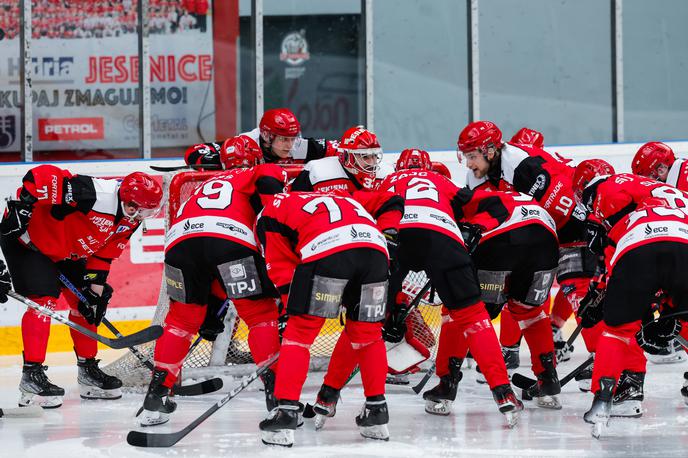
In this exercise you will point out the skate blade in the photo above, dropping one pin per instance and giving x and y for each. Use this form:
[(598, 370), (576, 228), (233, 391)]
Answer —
[(439, 407), (44, 402), (152, 418), (281, 437), (598, 429), (377, 432), (584, 385), (548, 402), (627, 409), (667, 359), (92, 392), (319, 421), (511, 418)]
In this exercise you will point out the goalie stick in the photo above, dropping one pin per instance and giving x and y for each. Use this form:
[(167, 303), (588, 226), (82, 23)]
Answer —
[(204, 387), (308, 411), (142, 439), (530, 386), (137, 338), (160, 168)]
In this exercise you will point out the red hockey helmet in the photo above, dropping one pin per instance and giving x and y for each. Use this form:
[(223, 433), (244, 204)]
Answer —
[(585, 172), (279, 121), (528, 137), (140, 190), (649, 157), (240, 151), (360, 154), (413, 159), (479, 135)]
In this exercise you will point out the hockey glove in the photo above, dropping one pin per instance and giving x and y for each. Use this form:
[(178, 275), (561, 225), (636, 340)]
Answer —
[(596, 236), (656, 336), (16, 218), (471, 233), (591, 309), (392, 238), (394, 328), (213, 324), (93, 310), (5, 282)]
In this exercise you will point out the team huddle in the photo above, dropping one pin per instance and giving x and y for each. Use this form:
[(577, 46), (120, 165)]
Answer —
[(339, 238)]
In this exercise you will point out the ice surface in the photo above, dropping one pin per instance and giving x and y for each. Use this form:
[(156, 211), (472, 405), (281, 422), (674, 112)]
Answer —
[(91, 429)]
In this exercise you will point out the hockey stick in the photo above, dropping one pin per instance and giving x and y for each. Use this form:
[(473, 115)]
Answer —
[(142, 439), (426, 378), (31, 411), (160, 168), (204, 387), (137, 338), (308, 411), (530, 386)]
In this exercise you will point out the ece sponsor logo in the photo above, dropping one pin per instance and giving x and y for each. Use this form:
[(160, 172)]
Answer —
[(64, 129)]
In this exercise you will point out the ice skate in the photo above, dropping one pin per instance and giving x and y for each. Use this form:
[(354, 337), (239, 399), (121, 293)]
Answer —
[(508, 403), (37, 389), (584, 378), (548, 384), (373, 419), (325, 405), (562, 349), (673, 353), (279, 426), (600, 411), (268, 379), (157, 406), (629, 395), (96, 384), (439, 400)]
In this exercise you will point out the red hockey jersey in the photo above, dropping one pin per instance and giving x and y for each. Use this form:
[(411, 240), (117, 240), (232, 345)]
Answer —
[(678, 174), (303, 227), (226, 205), (76, 217)]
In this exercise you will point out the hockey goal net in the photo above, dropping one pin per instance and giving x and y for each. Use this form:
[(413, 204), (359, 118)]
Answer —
[(229, 354)]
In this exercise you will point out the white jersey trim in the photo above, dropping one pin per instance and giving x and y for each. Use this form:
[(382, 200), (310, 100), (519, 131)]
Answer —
[(107, 200), (512, 156), (675, 172), (526, 214), (210, 225), (340, 236), (655, 231), (415, 215)]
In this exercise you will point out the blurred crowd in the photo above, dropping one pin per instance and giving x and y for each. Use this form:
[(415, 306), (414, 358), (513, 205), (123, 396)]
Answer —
[(102, 18)]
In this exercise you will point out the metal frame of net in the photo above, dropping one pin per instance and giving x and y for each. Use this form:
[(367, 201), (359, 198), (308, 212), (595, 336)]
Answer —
[(229, 354)]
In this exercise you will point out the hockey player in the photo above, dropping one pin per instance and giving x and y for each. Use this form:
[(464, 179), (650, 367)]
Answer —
[(431, 241), (656, 160), (210, 246), (547, 179), (528, 137), (279, 136), (75, 225), (356, 167), (325, 251)]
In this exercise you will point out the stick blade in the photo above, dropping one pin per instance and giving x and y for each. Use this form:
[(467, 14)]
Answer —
[(141, 439), (521, 381), (196, 389), (137, 338)]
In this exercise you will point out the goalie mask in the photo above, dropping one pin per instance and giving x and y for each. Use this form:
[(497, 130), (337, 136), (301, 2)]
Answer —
[(360, 154), (141, 192)]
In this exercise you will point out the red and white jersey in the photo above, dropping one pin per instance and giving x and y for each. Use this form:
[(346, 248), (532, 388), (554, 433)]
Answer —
[(613, 197), (328, 174), (301, 227), (548, 179), (76, 217), (305, 149), (523, 211), (678, 174), (226, 205), (654, 221)]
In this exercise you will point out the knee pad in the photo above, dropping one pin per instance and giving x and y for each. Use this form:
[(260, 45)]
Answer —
[(526, 315)]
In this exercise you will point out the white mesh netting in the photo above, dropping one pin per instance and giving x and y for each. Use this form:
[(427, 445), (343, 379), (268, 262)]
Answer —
[(229, 354)]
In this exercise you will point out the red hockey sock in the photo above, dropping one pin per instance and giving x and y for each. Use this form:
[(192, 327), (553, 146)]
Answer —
[(591, 335), (615, 343), (36, 330), (261, 318), (509, 332), (475, 325), (536, 329), (366, 340), (342, 363), (181, 325), (84, 346), (452, 344), (292, 365)]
